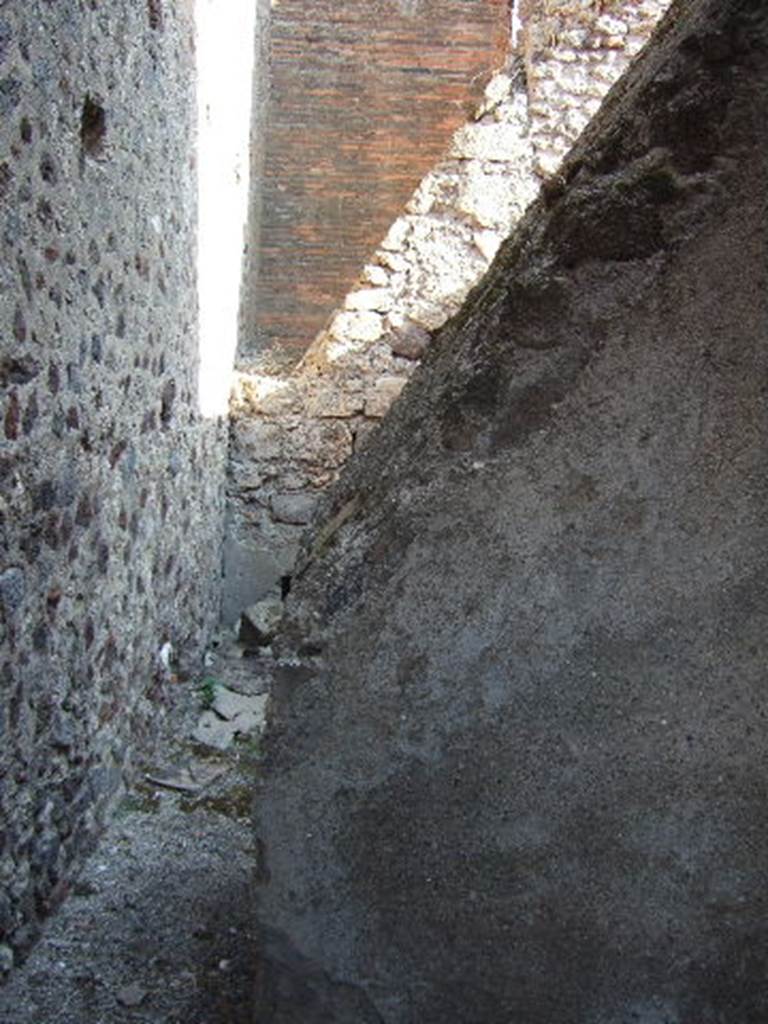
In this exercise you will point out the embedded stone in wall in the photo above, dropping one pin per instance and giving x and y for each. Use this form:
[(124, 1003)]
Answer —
[(382, 394), (293, 508), (110, 483), (574, 52)]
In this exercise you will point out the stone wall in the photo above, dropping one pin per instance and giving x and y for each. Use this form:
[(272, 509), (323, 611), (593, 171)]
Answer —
[(574, 50), (110, 482), (516, 762), (291, 432)]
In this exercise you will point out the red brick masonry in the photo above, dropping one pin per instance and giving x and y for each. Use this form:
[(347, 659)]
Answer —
[(364, 97)]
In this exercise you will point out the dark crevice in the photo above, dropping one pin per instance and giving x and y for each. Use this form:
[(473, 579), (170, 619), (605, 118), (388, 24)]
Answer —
[(93, 127)]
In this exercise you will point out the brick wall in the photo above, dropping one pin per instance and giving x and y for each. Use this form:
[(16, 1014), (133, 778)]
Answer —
[(363, 99)]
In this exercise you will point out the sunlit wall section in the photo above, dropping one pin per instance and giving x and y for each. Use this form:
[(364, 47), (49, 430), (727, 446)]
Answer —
[(226, 46)]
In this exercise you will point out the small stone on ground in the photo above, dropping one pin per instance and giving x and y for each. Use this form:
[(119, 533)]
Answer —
[(161, 905)]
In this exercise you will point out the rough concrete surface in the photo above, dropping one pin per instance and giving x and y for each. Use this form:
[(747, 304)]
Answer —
[(519, 775)]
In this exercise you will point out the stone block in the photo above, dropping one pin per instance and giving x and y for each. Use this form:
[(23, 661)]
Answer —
[(238, 708), (495, 200), (326, 443), (356, 327), (268, 396), (333, 401), (409, 341), (259, 622), (382, 395), (375, 275), (293, 508), (376, 299), (250, 573), (258, 439), (489, 141), (488, 243), (12, 589), (397, 236)]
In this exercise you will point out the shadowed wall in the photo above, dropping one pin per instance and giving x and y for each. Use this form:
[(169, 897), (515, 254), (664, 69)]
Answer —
[(519, 774)]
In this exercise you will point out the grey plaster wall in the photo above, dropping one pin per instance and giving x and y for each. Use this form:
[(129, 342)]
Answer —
[(110, 482), (517, 772)]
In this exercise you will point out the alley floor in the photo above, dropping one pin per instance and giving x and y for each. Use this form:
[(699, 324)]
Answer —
[(158, 927)]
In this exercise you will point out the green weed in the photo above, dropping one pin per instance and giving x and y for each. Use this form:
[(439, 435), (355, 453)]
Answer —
[(207, 693)]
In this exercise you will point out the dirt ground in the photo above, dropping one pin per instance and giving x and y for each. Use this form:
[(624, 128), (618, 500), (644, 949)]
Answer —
[(158, 929)]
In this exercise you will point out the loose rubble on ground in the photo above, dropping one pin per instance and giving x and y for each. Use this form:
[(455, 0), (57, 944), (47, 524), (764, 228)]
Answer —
[(158, 927)]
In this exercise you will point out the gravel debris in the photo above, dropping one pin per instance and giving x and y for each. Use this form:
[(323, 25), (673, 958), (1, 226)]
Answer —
[(158, 927)]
